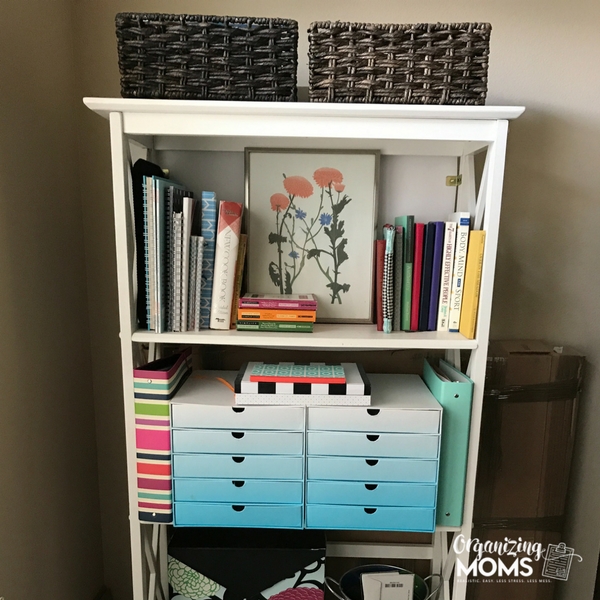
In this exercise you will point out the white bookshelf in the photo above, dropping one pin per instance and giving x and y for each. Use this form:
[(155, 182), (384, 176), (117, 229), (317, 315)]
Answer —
[(172, 132)]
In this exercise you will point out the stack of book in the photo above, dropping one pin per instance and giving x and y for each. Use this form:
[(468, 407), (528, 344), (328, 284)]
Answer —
[(304, 384), (186, 244), (277, 312), (428, 275), (154, 384)]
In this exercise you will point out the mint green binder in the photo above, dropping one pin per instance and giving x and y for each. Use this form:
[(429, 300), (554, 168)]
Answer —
[(456, 397)]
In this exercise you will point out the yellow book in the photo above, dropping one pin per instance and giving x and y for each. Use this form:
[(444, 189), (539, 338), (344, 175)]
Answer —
[(470, 301)]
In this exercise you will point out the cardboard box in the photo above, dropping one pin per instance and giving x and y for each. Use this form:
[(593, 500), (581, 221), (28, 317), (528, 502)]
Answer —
[(528, 429), (244, 564)]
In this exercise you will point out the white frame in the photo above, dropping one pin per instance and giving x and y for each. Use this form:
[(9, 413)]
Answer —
[(459, 131)]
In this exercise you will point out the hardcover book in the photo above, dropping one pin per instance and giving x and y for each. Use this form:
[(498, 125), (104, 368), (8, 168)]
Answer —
[(408, 223), (282, 326), (228, 239), (239, 275), (287, 301), (438, 247), (417, 275), (426, 279), (458, 270), (209, 234), (274, 314), (446, 276), (398, 277), (470, 303), (297, 373), (379, 268)]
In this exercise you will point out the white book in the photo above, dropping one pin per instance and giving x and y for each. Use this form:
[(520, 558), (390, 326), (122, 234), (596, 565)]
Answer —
[(228, 239), (446, 275), (463, 221)]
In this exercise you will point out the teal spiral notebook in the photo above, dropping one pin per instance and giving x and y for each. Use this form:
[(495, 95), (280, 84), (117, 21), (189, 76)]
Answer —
[(454, 391)]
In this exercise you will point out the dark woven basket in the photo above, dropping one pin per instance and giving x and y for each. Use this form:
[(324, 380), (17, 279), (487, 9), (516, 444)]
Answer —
[(207, 58), (442, 63)]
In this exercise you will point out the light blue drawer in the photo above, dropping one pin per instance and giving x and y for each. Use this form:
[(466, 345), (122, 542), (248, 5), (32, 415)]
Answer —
[(322, 516), (237, 467), (390, 420), (369, 494), (238, 491), (408, 445), (237, 418), (196, 514), (372, 470), (237, 442)]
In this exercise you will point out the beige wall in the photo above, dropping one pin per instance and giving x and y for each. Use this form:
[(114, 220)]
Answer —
[(545, 55), (50, 542)]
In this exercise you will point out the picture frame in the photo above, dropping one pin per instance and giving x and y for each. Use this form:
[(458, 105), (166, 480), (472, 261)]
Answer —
[(311, 218)]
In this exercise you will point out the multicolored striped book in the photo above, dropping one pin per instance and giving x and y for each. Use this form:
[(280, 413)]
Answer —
[(161, 378)]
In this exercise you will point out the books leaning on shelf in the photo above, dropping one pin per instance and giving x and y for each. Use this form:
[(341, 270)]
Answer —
[(423, 284), (277, 312), (312, 384)]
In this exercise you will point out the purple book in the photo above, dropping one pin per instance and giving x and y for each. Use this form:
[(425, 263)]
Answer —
[(436, 274)]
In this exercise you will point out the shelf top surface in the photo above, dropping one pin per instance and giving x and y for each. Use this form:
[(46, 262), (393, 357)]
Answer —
[(104, 106), (324, 337)]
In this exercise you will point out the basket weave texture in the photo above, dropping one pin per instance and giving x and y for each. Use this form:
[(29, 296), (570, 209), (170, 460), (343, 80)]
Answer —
[(207, 57), (442, 63)]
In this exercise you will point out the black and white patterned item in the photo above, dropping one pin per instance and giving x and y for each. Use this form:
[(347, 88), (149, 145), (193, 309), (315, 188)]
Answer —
[(389, 232), (356, 391)]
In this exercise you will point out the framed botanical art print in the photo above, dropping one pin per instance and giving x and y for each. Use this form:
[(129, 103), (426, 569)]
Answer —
[(311, 219)]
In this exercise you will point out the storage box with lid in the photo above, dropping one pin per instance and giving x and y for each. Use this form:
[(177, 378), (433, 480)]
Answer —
[(199, 57), (425, 63)]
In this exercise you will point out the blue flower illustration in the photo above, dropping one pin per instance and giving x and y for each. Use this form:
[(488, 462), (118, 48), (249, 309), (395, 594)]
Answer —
[(293, 254), (325, 219), (300, 214)]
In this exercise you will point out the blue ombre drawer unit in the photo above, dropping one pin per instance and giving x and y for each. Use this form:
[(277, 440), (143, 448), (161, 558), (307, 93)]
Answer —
[(320, 467), (235, 466), (375, 468)]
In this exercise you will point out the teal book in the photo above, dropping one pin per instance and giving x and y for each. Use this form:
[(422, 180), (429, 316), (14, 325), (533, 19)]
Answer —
[(408, 222), (454, 391)]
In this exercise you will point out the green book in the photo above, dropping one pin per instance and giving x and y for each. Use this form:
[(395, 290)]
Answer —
[(274, 326), (408, 222)]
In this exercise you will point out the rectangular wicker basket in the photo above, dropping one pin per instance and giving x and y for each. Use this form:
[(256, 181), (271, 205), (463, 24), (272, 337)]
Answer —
[(442, 63), (207, 57)]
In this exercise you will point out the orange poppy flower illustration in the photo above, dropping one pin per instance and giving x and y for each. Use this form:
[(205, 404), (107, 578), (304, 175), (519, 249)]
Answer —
[(298, 186), (339, 187), (325, 176), (279, 202)]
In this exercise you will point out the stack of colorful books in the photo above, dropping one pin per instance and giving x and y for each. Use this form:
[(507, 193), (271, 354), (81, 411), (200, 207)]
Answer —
[(154, 385), (304, 384), (277, 312)]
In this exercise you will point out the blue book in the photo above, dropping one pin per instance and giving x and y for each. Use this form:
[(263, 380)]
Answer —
[(436, 275), (209, 233), (454, 391)]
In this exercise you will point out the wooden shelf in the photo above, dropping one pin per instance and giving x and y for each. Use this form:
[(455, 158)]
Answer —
[(324, 337)]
